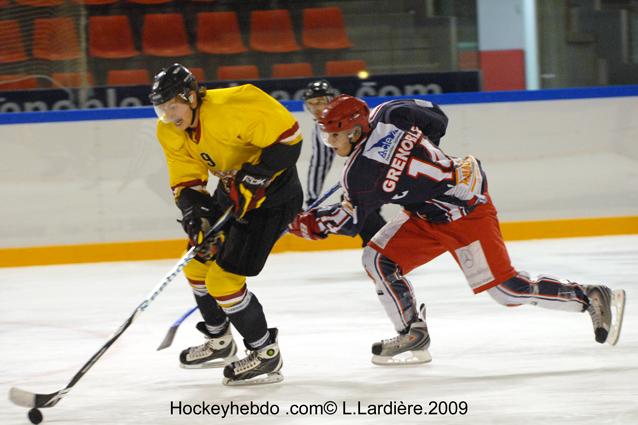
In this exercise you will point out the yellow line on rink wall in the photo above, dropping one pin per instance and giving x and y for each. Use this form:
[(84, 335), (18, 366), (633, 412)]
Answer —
[(163, 249), (91, 253), (569, 228)]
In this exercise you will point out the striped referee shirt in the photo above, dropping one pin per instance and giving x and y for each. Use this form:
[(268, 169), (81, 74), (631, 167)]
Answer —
[(320, 162)]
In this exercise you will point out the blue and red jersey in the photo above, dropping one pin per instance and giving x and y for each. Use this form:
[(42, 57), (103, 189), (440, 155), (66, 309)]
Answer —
[(399, 162)]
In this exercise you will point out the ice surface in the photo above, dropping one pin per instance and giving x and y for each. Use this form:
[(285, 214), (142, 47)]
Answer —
[(518, 366)]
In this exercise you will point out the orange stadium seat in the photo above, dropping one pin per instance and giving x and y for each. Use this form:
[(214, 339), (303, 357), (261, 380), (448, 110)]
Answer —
[(40, 3), (111, 37), (17, 82), (323, 28), (96, 2), (55, 39), (198, 73), (238, 72), (4, 3), (218, 33), (11, 45), (164, 34), (150, 1), (345, 67), (292, 70), (128, 77), (271, 31), (73, 79)]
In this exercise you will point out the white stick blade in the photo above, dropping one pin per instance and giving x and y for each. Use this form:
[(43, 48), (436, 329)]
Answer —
[(22, 397)]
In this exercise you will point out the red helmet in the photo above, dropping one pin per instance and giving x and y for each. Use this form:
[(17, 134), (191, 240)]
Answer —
[(343, 113)]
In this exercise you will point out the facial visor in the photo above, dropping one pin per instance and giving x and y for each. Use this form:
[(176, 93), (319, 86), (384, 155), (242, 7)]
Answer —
[(166, 110)]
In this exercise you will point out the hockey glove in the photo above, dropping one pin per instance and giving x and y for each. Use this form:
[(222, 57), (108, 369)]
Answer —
[(247, 190), (197, 213), (305, 226), (208, 250), (469, 181)]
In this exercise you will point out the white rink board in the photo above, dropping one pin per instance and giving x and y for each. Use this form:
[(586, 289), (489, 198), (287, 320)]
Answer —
[(520, 365), (105, 181)]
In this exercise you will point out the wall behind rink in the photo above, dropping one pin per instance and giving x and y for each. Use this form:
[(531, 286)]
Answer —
[(90, 180)]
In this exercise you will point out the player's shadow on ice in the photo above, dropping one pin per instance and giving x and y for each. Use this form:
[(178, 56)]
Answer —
[(373, 385)]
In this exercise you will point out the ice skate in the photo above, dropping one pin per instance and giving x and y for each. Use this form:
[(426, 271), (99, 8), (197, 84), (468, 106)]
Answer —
[(606, 308), (405, 349), (216, 352), (251, 369)]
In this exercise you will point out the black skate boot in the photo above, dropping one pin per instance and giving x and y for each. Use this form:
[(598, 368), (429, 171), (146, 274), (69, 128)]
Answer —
[(606, 308), (218, 351), (262, 361), (406, 348)]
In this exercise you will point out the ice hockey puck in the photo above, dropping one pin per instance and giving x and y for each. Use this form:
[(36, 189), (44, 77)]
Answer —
[(35, 416)]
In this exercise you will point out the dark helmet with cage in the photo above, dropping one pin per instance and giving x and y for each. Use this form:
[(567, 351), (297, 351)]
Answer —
[(345, 113), (316, 96), (318, 88)]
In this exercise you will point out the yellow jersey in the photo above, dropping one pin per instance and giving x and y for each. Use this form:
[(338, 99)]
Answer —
[(235, 125)]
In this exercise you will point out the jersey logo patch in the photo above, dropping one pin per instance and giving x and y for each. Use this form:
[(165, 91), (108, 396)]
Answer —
[(382, 143)]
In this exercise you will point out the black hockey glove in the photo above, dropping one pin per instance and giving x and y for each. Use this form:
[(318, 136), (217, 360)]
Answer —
[(198, 212), (248, 189), (209, 249)]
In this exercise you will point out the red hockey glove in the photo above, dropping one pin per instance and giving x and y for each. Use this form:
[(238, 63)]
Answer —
[(247, 192), (305, 226)]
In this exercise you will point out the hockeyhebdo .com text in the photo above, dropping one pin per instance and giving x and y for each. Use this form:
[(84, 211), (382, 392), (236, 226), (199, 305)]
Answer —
[(114, 98), (326, 408), (82, 99)]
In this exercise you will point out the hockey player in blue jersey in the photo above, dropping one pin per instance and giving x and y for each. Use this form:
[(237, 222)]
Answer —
[(316, 97), (394, 157)]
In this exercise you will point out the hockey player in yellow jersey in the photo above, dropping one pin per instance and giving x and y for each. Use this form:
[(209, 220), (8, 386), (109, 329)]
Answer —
[(251, 143)]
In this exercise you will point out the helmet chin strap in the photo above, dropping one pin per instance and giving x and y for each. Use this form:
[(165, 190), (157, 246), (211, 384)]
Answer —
[(194, 112), (193, 115), (352, 141)]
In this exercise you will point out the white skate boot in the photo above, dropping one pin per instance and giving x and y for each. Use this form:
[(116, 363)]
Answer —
[(216, 352), (263, 361), (405, 349), (606, 308)]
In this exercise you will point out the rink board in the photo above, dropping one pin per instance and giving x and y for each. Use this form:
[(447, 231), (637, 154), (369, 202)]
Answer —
[(92, 185)]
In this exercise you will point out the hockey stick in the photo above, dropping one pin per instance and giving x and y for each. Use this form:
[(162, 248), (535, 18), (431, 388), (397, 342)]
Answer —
[(170, 335), (29, 399)]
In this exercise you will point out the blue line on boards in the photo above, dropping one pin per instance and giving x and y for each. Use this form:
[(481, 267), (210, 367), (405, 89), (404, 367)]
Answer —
[(297, 105)]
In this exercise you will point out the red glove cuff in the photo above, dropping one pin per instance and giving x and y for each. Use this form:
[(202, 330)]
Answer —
[(305, 226)]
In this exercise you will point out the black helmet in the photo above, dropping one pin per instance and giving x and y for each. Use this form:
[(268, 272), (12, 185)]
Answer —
[(176, 80), (318, 88)]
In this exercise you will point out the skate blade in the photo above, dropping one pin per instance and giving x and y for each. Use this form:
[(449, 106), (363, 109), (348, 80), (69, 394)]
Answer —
[(618, 310), (271, 378), (403, 359), (214, 364)]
